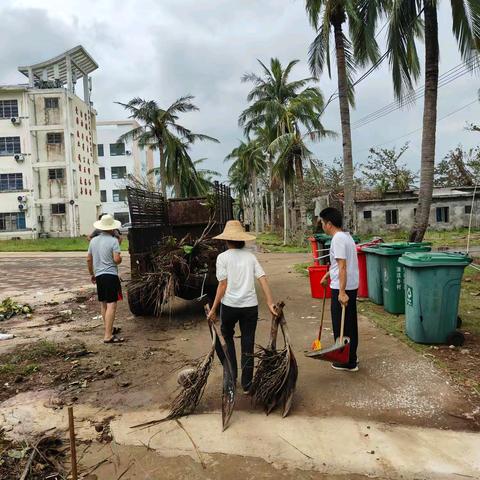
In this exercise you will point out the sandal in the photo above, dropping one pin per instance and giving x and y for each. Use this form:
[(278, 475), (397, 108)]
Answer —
[(116, 330), (114, 339)]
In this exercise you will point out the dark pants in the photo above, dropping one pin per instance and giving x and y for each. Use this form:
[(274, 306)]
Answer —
[(351, 323), (247, 317)]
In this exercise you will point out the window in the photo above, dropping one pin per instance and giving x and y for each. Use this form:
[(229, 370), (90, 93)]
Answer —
[(103, 195), (56, 173), (100, 149), (54, 138), (119, 195), (10, 222), (58, 208), (10, 145), (468, 209), (51, 102), (10, 182), (8, 108), (367, 214), (123, 217), (391, 217), (442, 214), (414, 213), (119, 172), (117, 149), (101, 171)]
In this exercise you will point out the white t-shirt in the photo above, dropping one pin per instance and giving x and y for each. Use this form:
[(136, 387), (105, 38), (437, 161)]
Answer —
[(240, 268), (343, 247)]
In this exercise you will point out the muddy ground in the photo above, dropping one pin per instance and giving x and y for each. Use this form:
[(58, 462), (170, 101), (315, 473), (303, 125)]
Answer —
[(57, 359)]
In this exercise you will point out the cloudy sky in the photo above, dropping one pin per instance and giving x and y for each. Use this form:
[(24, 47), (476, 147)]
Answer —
[(162, 49)]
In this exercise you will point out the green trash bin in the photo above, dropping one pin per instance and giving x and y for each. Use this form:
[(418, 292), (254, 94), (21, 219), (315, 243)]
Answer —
[(324, 242), (387, 274), (374, 274), (432, 284)]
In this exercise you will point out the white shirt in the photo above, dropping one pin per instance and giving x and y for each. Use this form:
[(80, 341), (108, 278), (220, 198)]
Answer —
[(240, 268), (343, 247)]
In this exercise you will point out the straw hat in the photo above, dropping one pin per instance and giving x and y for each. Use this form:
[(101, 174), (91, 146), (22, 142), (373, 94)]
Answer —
[(234, 231), (107, 222)]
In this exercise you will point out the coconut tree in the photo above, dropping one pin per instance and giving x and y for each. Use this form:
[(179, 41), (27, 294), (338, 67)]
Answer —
[(351, 52), (284, 109), (248, 163), (159, 128), (404, 30)]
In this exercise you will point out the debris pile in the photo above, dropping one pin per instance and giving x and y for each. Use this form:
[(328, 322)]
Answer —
[(277, 371), (170, 266), (10, 308)]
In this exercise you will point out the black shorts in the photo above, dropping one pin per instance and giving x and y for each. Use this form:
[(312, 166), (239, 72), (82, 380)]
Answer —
[(109, 289)]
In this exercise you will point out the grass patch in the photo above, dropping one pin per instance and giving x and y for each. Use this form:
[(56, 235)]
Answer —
[(301, 268), (78, 244), (273, 242)]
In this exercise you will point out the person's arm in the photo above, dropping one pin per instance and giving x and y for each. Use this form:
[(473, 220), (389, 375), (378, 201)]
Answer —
[(342, 278), (90, 267), (221, 289), (324, 280), (117, 256), (268, 294)]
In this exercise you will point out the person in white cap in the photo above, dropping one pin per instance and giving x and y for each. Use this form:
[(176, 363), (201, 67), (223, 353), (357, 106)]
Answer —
[(103, 259), (237, 269)]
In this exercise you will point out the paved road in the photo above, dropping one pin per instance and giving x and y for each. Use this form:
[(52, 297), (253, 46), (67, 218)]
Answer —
[(31, 274)]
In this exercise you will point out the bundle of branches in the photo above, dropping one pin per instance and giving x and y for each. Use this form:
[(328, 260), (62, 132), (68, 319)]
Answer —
[(170, 265), (277, 371), (193, 381)]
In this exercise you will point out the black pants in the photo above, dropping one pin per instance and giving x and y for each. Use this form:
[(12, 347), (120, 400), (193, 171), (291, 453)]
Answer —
[(247, 317), (351, 322)]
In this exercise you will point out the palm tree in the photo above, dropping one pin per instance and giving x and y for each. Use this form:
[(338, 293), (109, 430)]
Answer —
[(351, 53), (404, 29), (280, 111), (248, 163), (159, 129)]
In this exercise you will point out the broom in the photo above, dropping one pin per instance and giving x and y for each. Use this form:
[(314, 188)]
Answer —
[(277, 371)]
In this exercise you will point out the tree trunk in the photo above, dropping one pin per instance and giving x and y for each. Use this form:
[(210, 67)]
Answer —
[(163, 173), (272, 196), (255, 202), (429, 123), (301, 197), (345, 120), (285, 213)]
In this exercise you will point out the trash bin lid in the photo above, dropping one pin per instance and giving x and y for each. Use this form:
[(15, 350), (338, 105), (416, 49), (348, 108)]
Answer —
[(434, 259), (406, 245), (398, 248)]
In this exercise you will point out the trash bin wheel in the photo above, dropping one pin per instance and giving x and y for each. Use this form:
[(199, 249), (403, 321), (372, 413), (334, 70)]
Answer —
[(459, 322), (456, 338)]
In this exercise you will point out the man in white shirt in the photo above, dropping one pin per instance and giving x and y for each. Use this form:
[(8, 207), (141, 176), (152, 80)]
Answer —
[(237, 269), (343, 282)]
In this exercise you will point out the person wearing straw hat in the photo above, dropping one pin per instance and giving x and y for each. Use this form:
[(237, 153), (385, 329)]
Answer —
[(237, 269), (103, 259)]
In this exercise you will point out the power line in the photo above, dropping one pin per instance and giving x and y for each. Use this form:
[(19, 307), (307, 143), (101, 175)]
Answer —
[(420, 128), (444, 79)]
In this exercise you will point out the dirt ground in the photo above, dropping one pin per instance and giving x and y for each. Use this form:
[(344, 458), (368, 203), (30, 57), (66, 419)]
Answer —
[(62, 355)]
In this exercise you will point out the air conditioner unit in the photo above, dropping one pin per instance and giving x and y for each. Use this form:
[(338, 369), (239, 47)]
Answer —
[(15, 120), (128, 152), (19, 157), (22, 198), (22, 207)]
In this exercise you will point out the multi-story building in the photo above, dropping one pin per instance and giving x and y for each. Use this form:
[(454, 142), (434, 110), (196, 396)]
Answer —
[(49, 179), (117, 161)]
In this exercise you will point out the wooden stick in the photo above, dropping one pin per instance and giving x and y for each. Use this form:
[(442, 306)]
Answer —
[(73, 450)]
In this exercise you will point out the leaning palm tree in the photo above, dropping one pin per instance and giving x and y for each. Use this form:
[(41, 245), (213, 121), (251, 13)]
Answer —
[(286, 108), (404, 30), (159, 128), (351, 53)]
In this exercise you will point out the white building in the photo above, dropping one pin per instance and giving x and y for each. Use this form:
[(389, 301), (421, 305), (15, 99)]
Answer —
[(117, 160), (49, 180)]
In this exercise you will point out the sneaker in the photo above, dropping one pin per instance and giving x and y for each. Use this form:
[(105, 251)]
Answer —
[(345, 367)]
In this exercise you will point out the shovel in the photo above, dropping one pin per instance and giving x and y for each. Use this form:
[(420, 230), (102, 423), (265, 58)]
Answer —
[(339, 352)]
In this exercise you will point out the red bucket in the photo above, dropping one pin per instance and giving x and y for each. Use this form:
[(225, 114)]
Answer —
[(316, 273)]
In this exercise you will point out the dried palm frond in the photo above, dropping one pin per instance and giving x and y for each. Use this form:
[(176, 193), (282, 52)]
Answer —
[(276, 374)]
